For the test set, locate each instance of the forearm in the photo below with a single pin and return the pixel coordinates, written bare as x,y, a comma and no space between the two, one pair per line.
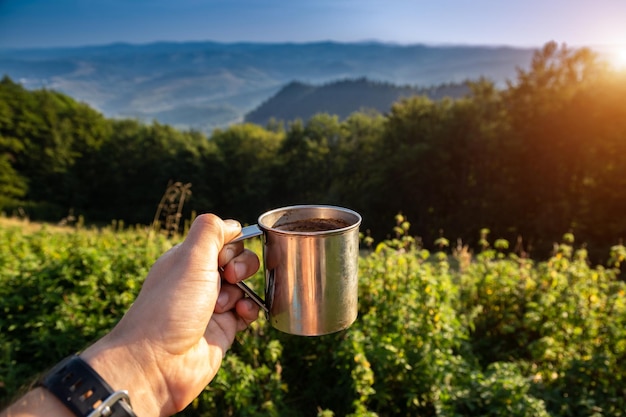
117,366
35,403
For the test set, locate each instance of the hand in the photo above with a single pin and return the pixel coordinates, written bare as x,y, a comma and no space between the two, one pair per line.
170,344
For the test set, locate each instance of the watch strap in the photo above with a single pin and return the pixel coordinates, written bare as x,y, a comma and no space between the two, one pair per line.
79,387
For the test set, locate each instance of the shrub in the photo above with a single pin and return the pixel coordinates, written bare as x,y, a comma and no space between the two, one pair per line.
500,335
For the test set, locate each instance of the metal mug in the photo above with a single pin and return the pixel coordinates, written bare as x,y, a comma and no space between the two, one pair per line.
311,283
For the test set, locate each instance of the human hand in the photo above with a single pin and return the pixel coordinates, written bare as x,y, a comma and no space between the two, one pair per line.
171,342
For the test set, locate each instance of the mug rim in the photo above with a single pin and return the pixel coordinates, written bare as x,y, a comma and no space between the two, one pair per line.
357,219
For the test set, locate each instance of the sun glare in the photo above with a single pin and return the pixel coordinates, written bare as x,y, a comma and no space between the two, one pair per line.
618,57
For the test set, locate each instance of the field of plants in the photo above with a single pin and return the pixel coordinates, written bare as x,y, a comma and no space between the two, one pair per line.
451,332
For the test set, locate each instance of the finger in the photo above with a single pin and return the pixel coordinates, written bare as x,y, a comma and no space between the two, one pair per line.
230,251
229,295
247,311
221,330
194,266
233,229
241,267
223,326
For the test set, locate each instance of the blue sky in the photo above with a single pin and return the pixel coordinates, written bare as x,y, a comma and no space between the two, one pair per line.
44,23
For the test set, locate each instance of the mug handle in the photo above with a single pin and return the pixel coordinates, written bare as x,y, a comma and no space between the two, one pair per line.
247,233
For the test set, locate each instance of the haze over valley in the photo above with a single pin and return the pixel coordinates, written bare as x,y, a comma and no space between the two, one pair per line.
205,85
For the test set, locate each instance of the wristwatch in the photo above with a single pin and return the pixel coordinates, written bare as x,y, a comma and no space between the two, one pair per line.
79,387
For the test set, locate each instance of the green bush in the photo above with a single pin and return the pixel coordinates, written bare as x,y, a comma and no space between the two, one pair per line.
437,335
61,290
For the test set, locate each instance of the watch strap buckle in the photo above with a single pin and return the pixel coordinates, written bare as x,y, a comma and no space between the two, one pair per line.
104,408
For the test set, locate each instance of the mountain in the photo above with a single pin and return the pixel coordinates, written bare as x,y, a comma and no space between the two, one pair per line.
342,98
203,85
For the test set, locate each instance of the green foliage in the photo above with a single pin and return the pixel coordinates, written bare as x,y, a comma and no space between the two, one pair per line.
552,320
492,333
536,158
500,336
62,290
249,154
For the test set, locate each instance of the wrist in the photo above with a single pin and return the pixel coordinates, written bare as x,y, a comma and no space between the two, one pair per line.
38,401
121,366
83,391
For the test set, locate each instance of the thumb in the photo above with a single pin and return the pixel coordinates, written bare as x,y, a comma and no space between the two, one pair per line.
208,235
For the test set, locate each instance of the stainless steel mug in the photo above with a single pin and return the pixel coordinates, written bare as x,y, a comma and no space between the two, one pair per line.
310,260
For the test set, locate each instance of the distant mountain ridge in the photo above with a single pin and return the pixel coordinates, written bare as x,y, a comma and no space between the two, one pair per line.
302,101
203,85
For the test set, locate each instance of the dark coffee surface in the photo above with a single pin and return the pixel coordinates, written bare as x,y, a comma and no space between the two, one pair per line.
313,225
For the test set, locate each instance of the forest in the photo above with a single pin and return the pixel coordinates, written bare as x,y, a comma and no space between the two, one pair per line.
531,161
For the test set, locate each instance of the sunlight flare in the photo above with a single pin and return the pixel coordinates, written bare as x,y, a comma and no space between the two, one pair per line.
618,57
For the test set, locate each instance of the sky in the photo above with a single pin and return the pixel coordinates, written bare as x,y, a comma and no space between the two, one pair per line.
524,23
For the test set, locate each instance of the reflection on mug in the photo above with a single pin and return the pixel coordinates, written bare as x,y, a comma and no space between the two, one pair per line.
310,256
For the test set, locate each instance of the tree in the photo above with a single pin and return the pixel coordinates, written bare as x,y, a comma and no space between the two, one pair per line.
355,161
243,175
547,120
306,161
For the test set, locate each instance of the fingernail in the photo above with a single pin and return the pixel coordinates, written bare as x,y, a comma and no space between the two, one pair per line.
232,224
222,299
229,252
240,270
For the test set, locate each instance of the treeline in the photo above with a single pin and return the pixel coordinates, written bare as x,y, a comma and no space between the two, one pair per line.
536,159
342,98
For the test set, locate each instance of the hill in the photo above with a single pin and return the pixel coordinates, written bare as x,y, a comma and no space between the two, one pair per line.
202,85
302,101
